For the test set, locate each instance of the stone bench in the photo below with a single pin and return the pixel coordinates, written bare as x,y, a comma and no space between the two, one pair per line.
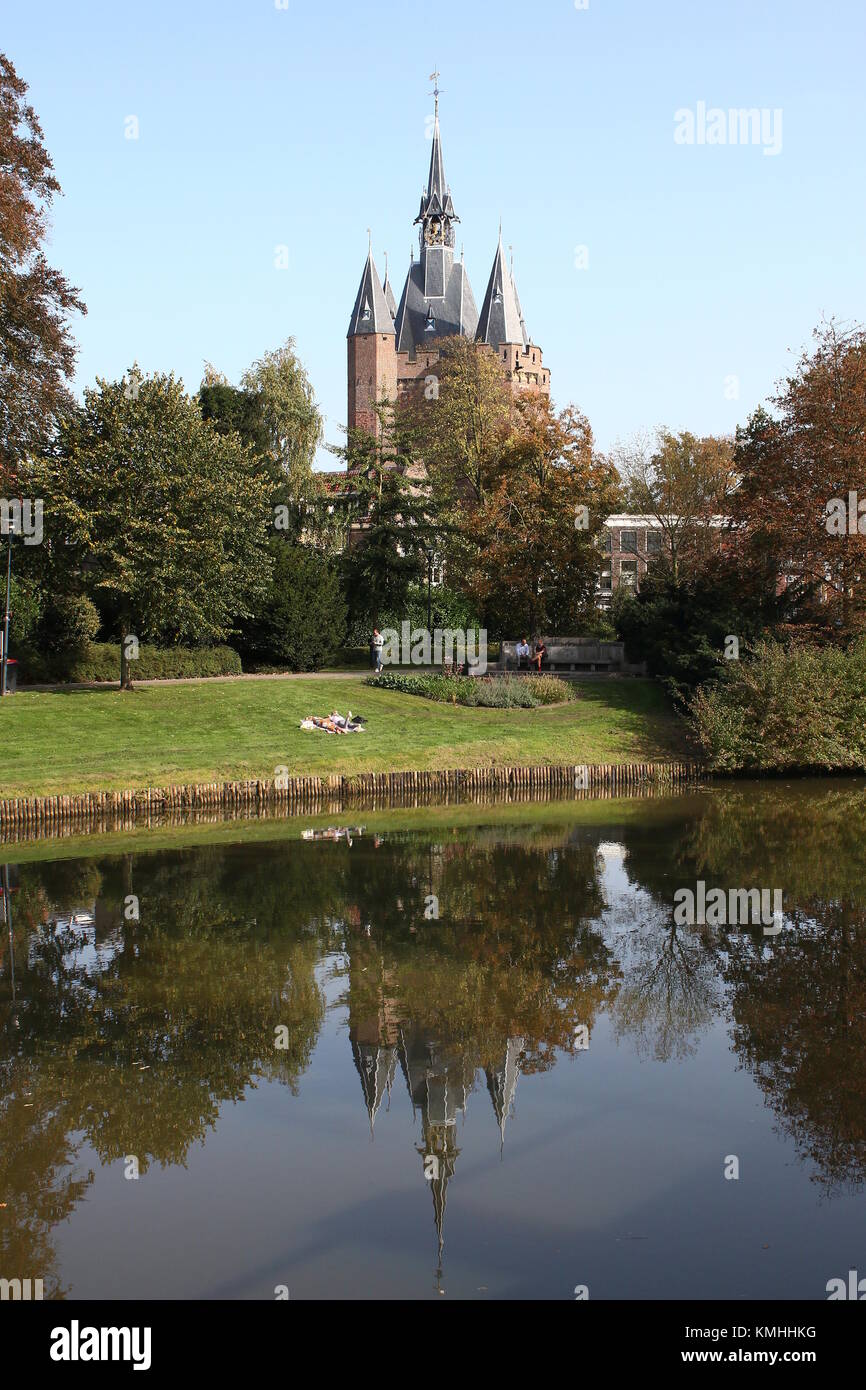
572,655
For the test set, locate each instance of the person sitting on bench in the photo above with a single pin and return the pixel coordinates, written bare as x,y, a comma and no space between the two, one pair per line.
539,655
522,652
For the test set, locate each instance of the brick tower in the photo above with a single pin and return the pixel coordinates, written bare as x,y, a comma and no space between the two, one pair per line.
372,363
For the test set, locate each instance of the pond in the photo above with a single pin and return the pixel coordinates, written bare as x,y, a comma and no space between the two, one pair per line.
474,1052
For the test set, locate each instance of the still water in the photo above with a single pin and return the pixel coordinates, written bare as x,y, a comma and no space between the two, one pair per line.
461,1052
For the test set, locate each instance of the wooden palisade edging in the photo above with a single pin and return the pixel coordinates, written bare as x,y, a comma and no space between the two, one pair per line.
48,814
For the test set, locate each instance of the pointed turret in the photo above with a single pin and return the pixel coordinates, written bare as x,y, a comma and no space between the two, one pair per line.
501,317
389,293
502,1083
371,313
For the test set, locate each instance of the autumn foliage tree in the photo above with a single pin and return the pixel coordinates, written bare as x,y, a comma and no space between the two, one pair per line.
537,558
37,352
684,482
803,467
520,491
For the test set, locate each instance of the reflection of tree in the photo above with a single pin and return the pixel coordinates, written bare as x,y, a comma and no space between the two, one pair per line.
669,992
798,1001
799,1010
513,950
37,1181
132,1034
129,1035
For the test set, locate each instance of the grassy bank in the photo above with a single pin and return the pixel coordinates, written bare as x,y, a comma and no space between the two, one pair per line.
89,740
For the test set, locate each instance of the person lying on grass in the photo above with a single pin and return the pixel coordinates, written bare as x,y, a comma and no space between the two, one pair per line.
334,723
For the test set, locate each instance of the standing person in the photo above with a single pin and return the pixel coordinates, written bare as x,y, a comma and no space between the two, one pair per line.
376,644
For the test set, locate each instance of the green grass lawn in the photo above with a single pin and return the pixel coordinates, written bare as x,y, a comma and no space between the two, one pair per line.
205,731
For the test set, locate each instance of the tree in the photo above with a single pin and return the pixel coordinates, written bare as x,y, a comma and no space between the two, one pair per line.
803,473
683,482
302,619
461,421
234,411
536,559
157,512
681,628
288,413
389,553
37,353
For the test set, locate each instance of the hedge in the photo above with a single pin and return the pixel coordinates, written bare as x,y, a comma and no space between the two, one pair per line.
100,661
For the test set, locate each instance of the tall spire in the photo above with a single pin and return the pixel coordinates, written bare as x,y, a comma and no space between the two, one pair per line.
436,213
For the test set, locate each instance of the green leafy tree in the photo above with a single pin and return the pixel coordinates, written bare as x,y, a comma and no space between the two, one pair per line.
400,525
286,408
157,512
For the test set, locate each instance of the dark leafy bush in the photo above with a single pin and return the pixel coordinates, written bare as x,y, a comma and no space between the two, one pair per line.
302,622
69,623
679,628
783,709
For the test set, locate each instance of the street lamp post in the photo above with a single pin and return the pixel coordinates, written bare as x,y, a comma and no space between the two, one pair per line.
6,616
430,555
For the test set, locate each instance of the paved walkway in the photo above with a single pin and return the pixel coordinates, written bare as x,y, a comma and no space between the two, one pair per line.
210,680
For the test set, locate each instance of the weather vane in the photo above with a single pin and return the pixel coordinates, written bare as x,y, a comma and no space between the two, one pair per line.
434,78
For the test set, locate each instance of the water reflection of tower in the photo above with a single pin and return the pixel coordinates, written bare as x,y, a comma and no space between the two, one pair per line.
440,1074
439,1078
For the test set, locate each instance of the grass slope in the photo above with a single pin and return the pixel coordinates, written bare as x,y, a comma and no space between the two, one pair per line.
87,740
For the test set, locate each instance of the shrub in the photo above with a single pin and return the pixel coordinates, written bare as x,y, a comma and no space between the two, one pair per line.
490,692
25,605
785,709
69,622
302,622
550,690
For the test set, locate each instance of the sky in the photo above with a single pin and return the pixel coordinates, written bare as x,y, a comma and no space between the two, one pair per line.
668,281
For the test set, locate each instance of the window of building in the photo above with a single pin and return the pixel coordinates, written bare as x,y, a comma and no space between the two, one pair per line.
628,540
606,543
605,582
628,574
653,542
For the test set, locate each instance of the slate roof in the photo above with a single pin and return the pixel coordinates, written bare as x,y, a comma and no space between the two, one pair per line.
421,318
389,297
501,317
371,313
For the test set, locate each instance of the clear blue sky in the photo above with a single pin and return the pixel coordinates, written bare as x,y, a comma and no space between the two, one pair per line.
302,126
